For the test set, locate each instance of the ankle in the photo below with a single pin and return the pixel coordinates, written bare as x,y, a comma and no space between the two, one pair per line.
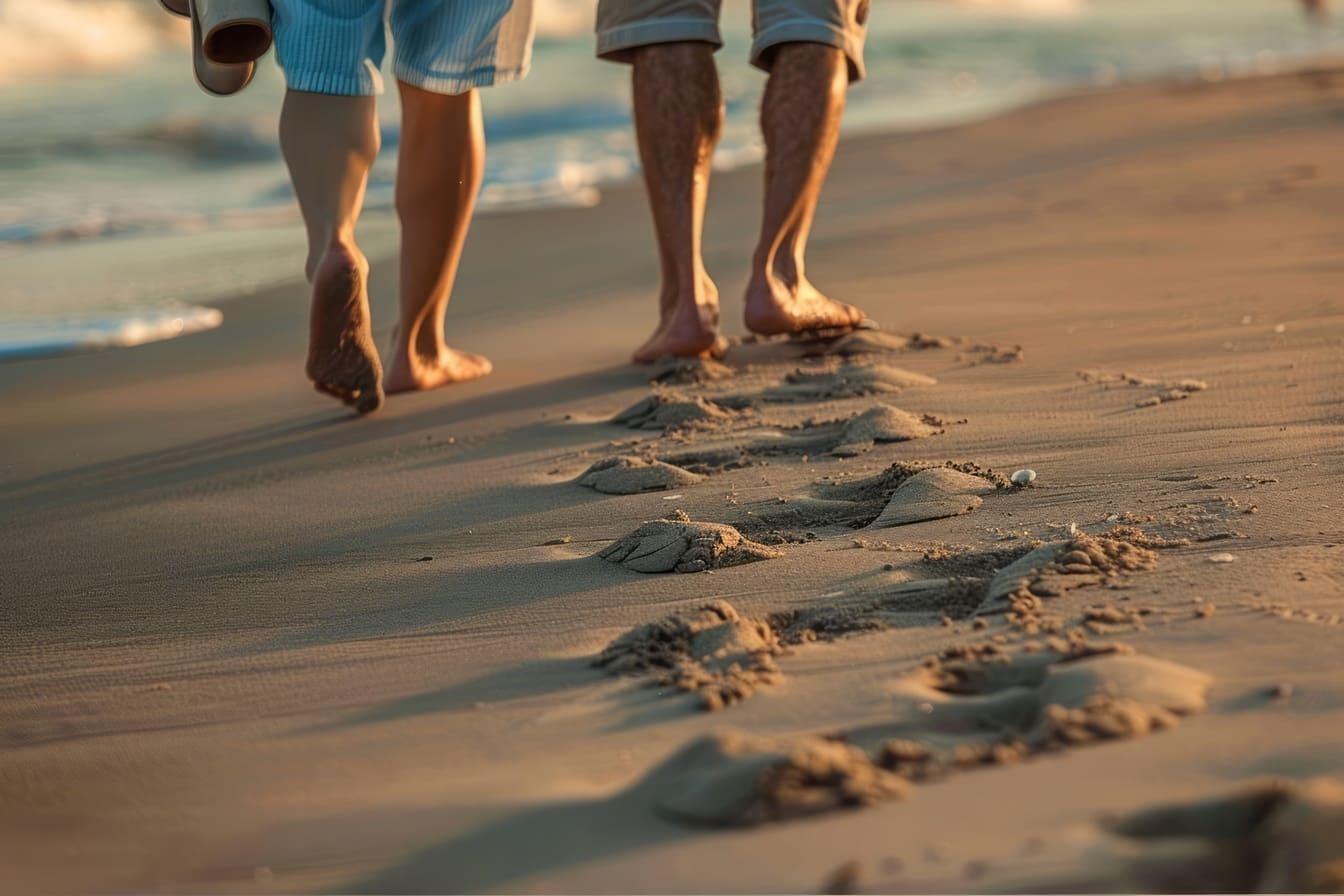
342,253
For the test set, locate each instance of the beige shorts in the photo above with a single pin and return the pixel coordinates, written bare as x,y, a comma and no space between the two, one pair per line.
624,25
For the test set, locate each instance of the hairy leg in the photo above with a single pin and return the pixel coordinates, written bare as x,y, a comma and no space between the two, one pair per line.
439,167
329,144
678,118
800,120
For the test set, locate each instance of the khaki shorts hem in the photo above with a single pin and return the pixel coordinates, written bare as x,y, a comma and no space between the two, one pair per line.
809,32
616,44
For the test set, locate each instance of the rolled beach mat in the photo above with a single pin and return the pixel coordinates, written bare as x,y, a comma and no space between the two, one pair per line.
234,31
216,78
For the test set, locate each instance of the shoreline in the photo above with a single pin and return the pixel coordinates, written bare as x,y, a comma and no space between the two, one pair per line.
379,227
257,646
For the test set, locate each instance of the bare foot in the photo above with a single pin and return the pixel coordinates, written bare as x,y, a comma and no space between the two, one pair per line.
690,331
342,360
413,372
774,308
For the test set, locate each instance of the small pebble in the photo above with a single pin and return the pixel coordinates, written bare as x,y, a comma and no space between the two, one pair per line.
423,559
1024,477
1222,558
1204,611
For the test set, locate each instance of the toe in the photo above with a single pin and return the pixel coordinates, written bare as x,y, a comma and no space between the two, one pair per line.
369,398
334,391
369,401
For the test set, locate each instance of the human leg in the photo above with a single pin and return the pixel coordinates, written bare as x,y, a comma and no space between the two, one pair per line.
440,163
329,144
678,118
445,51
812,49
330,51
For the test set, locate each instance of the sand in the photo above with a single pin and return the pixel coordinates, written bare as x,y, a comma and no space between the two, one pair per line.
252,645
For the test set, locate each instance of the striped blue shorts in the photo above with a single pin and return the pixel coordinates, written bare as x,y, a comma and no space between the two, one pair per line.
445,46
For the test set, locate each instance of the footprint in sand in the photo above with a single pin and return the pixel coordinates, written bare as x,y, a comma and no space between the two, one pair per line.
688,371
1269,837
724,657
669,411
848,380
848,437
904,493
1052,569
933,494
882,423
878,342
630,475
1020,589
875,342
1161,391
947,718
677,544
712,652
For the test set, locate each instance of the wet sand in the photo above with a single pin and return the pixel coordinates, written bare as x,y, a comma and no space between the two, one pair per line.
785,624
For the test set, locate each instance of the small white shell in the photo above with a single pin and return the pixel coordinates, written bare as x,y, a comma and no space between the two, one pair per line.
1222,558
1024,477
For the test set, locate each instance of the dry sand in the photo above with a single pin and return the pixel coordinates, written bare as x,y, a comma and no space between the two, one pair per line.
250,645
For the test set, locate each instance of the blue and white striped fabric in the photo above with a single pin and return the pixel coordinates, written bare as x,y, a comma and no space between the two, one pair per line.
445,46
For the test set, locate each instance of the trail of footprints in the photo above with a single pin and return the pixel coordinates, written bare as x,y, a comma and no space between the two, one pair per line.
985,703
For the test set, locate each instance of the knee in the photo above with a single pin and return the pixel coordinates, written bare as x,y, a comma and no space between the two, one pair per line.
811,62
681,73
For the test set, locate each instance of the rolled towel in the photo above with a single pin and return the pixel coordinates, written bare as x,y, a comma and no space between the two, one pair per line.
234,31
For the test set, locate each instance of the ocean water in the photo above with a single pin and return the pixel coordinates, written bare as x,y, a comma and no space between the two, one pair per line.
132,205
